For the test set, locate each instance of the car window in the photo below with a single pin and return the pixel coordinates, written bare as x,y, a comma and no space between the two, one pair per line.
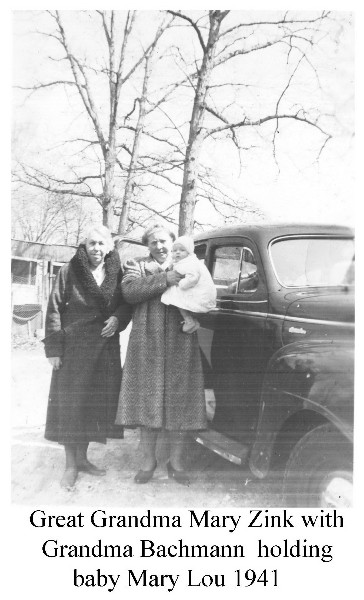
234,270
249,273
226,269
313,261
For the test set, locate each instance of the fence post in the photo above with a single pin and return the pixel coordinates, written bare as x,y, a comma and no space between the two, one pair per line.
45,286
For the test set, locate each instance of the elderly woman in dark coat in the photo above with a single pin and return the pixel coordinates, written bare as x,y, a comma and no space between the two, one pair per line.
85,313
162,384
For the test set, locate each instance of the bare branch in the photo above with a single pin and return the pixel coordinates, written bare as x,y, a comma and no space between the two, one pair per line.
60,191
40,86
283,21
177,129
82,86
127,116
172,88
249,123
278,103
242,51
104,24
191,22
159,33
124,147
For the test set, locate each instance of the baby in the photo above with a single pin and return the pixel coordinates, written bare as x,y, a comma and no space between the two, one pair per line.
196,292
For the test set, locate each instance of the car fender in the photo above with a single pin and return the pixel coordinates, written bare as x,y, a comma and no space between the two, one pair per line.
306,383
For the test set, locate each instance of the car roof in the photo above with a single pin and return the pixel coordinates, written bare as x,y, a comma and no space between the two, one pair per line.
267,231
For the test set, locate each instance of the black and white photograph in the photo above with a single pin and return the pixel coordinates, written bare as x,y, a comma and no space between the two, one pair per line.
182,258
182,301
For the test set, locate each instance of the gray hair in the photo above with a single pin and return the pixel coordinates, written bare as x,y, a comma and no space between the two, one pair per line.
102,231
156,226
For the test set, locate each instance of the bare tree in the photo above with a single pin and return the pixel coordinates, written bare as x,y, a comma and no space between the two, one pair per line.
146,155
145,134
118,72
220,46
135,152
42,217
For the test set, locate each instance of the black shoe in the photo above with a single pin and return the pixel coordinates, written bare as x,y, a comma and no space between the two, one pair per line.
87,467
145,476
179,476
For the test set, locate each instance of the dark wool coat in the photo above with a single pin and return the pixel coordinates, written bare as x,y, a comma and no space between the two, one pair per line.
162,379
84,391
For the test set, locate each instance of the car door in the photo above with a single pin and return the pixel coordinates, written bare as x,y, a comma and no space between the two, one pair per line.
232,336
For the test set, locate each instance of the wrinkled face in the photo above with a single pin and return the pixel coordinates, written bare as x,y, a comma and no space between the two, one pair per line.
178,252
96,249
160,245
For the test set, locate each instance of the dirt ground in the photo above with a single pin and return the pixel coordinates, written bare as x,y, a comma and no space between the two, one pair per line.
37,464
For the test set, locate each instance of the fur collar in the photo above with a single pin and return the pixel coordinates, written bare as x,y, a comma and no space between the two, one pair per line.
105,292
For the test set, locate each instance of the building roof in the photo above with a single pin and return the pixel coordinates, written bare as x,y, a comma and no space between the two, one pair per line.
35,250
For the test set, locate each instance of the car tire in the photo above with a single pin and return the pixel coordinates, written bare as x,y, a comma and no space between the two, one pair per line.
319,470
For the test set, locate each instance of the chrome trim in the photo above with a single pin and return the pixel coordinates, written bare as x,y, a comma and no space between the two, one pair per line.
251,301
247,312
287,318
223,453
315,321
297,236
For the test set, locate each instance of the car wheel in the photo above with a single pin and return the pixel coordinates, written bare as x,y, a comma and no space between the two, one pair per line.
319,470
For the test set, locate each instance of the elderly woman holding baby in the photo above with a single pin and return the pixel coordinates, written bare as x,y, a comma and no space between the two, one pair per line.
162,386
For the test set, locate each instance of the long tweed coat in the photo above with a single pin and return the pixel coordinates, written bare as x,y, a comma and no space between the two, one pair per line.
84,391
162,383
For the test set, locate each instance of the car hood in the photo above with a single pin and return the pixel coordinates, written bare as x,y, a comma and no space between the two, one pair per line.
334,305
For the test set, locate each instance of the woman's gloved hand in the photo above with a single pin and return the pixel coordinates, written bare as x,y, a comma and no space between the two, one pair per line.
55,361
111,326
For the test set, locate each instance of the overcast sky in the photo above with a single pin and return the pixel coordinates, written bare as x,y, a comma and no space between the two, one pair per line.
298,188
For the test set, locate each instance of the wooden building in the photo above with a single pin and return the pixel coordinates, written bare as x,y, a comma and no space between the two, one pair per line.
33,269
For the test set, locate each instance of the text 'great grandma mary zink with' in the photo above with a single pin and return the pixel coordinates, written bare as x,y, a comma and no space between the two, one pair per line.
257,518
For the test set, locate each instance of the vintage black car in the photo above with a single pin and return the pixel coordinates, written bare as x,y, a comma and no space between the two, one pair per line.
278,354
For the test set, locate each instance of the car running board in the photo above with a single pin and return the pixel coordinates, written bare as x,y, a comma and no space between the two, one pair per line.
223,446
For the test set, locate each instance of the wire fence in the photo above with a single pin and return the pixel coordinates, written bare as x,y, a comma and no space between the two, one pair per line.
23,280
23,313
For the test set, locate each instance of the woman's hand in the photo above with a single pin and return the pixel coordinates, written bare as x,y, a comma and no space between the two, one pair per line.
111,325
56,362
173,278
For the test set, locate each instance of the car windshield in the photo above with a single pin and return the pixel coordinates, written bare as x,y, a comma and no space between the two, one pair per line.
313,261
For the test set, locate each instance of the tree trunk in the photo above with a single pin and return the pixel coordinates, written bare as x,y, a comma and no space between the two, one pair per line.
196,135
129,186
108,202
